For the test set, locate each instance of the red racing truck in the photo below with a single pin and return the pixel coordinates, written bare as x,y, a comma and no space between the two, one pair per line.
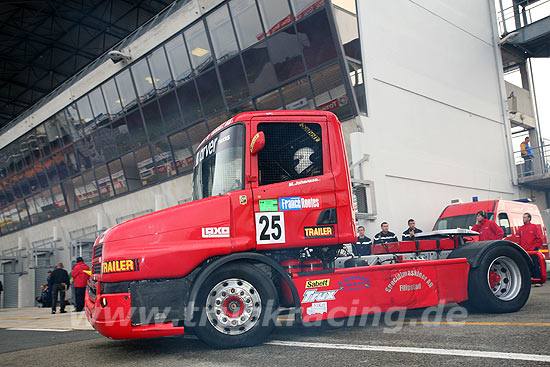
272,210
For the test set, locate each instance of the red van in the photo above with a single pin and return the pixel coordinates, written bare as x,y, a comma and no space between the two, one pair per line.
507,214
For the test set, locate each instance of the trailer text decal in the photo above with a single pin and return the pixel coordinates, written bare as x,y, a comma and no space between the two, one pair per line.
120,266
319,232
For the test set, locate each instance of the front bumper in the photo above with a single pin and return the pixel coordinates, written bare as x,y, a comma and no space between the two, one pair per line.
111,315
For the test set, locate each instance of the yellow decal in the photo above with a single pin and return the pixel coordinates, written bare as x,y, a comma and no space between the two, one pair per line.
319,231
253,141
119,266
317,283
310,132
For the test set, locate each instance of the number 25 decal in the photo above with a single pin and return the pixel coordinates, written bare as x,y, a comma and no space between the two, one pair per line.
270,227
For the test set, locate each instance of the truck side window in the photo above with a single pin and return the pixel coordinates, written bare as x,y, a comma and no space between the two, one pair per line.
504,223
292,151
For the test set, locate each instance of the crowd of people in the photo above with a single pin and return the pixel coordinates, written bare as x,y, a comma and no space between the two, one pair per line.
59,282
363,246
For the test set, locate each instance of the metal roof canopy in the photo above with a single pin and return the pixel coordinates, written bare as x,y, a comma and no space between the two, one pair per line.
43,43
532,40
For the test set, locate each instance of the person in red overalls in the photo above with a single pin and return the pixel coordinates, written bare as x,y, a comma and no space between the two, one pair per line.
530,238
80,282
488,230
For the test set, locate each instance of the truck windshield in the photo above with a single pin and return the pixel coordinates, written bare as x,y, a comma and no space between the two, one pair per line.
459,221
219,164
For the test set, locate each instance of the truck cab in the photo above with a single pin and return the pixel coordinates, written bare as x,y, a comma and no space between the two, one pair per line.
291,180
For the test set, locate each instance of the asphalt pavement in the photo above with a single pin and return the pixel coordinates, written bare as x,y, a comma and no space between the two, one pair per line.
429,337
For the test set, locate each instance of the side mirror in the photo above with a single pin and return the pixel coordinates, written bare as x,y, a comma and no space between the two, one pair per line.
257,143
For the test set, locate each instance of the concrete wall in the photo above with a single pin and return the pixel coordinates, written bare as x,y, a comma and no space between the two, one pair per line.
435,129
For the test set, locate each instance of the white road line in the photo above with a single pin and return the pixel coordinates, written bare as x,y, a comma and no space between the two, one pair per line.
25,329
443,352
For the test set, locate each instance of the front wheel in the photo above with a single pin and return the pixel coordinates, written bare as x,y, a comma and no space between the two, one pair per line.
501,283
237,306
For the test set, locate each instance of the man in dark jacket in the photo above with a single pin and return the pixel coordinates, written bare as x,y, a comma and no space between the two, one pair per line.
363,244
60,283
409,233
385,236
80,280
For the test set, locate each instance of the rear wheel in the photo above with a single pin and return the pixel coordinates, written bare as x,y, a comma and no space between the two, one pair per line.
501,283
236,307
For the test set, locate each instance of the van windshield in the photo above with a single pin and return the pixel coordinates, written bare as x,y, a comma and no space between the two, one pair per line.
219,164
460,221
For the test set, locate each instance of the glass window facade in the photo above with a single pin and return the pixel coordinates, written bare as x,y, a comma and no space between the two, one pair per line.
141,126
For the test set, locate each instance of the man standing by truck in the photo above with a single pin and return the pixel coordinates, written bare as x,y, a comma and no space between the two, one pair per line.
80,280
530,238
60,282
488,230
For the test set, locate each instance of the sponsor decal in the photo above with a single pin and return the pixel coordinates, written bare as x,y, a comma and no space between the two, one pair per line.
319,232
410,287
215,232
207,150
224,139
243,199
406,274
354,283
317,308
302,182
120,266
298,203
334,104
317,283
293,203
310,132
311,295
268,205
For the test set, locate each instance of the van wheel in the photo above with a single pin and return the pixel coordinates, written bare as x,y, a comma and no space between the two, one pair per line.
237,305
501,283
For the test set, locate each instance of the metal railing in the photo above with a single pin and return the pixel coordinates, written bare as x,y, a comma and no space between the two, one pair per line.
523,13
538,165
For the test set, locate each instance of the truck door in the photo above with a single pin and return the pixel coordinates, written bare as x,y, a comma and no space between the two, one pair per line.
293,184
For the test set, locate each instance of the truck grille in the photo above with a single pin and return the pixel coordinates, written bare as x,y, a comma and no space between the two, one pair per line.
98,251
92,289
96,268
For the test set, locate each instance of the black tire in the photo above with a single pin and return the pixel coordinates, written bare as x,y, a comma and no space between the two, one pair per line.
501,283
244,289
